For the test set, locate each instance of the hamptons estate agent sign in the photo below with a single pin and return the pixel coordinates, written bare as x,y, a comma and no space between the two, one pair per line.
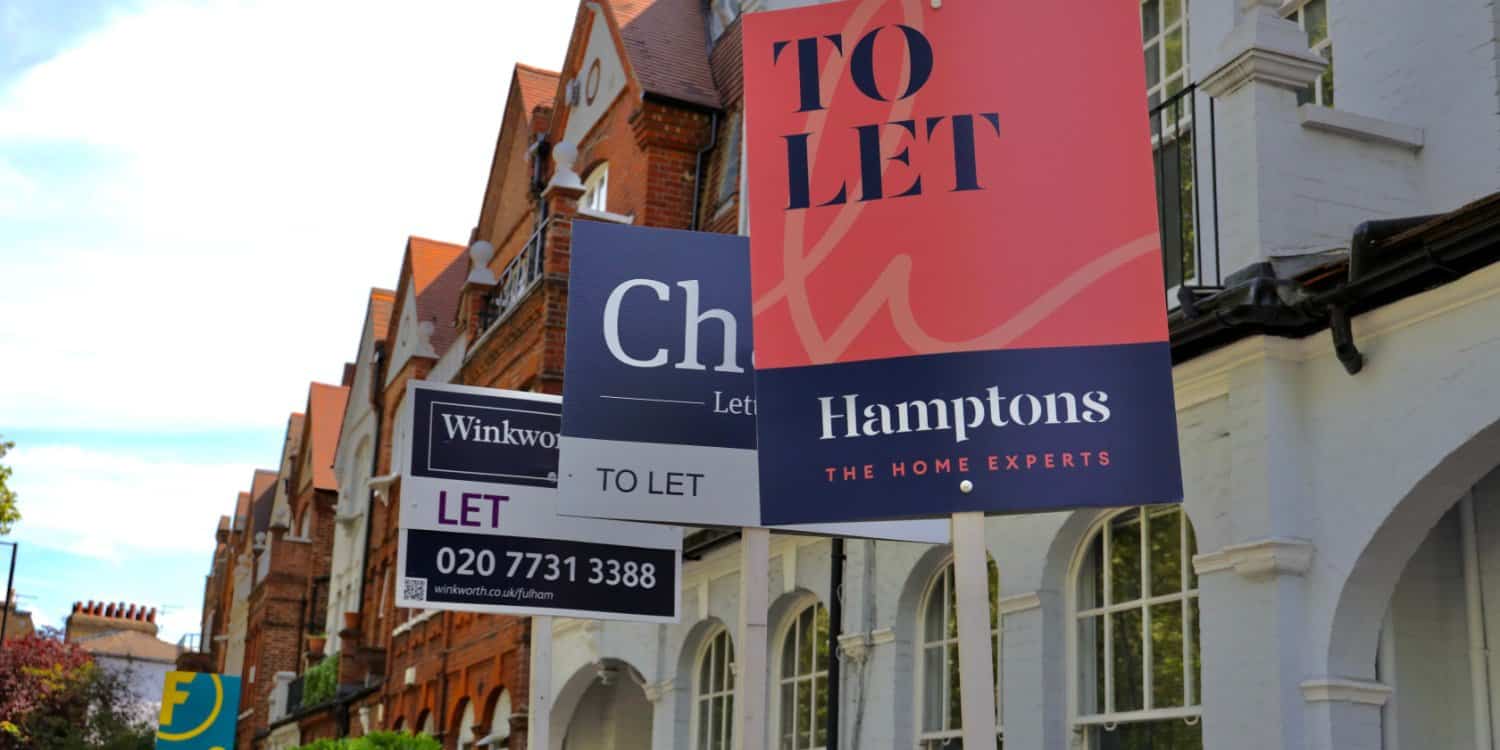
955,262
479,523
659,401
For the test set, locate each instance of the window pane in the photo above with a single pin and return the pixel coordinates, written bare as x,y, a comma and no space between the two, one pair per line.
1195,654
705,673
1192,549
820,712
804,715
703,725
1315,20
955,693
933,688
789,653
1166,656
1165,541
1153,64
1091,575
788,714
1129,657
1090,665
1125,558
933,624
1326,81
805,642
820,639
1174,11
1174,52
1150,23
727,730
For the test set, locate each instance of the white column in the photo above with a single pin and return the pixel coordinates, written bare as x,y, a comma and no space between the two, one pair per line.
976,668
750,663
539,711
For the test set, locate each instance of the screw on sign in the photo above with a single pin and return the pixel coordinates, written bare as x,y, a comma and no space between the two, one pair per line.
198,711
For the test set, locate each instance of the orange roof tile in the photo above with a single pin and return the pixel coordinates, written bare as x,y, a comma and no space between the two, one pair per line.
438,270
538,87
667,42
264,478
382,302
325,410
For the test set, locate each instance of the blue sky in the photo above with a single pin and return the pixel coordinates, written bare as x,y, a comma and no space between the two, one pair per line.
195,197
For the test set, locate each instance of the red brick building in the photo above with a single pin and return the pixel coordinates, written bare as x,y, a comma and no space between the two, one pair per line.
641,126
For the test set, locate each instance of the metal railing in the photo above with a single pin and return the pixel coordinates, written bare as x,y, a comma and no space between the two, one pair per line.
520,275
1187,204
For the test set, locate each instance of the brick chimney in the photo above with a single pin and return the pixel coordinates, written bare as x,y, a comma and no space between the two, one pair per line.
98,618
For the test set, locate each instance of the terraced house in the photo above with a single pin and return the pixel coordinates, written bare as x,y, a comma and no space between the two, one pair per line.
1330,237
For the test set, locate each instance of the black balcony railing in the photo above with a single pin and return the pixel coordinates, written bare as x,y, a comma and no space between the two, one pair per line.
1187,200
520,275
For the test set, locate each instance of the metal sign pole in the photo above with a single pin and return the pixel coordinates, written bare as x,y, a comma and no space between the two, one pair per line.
10,582
539,707
976,667
751,667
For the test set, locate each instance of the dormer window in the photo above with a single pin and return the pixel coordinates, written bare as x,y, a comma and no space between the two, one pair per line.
721,13
595,190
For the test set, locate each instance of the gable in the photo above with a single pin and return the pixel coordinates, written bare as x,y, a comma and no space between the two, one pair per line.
598,80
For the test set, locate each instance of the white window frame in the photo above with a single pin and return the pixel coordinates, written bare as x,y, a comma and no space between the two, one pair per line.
792,629
595,198
1296,10
943,584
704,696
1108,719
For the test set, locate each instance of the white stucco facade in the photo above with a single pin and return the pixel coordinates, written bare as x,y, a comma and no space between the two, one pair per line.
354,464
1341,585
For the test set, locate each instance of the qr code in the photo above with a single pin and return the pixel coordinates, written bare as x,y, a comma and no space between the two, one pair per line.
414,589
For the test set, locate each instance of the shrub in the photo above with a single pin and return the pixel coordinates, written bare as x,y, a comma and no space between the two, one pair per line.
321,682
377,741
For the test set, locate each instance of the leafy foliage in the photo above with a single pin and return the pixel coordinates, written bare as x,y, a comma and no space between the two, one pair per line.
321,682
53,695
9,511
377,741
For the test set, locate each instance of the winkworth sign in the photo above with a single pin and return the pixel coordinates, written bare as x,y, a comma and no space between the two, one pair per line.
956,266
479,524
659,403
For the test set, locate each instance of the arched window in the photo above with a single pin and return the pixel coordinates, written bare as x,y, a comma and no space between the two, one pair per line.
802,681
424,723
713,694
465,728
940,726
1135,646
596,190
499,731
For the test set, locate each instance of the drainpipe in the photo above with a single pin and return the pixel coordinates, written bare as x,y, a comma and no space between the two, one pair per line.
1478,647
713,141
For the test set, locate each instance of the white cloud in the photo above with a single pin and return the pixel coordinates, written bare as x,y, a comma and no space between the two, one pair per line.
237,175
107,505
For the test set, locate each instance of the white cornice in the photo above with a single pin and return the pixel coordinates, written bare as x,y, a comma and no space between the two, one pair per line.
1343,690
1262,558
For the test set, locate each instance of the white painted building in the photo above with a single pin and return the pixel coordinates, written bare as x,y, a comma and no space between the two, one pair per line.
354,463
1335,579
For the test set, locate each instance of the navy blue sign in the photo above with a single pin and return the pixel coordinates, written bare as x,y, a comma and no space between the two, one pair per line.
663,330
484,438
545,574
1030,430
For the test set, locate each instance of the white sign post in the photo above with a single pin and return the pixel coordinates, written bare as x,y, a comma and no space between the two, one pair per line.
539,707
751,673
976,667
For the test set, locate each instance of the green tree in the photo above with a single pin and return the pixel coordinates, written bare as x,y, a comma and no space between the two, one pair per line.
9,512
